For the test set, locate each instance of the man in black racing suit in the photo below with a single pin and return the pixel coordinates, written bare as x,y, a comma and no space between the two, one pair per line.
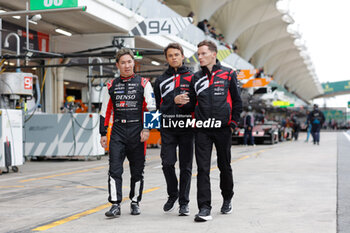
219,106
127,98
172,90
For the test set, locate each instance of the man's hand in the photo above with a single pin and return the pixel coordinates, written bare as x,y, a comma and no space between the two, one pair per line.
103,141
182,99
144,135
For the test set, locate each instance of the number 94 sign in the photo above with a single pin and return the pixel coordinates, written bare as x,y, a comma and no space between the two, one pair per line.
161,26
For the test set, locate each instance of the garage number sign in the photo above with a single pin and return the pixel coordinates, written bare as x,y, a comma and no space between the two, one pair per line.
161,26
52,4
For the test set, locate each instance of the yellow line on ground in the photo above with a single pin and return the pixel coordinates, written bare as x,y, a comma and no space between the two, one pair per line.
62,174
241,158
82,214
12,186
150,190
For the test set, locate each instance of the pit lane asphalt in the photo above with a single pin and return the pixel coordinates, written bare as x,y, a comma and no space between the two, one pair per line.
287,187
343,200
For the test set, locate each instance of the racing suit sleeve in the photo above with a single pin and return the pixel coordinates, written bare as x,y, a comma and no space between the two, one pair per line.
236,99
106,111
148,95
157,94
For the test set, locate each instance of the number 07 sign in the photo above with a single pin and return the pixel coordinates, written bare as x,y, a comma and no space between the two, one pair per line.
161,26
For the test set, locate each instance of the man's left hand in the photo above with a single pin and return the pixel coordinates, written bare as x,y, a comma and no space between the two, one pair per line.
144,135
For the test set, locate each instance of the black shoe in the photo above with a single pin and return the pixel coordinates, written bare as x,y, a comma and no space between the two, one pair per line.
169,205
226,207
184,210
114,212
135,208
203,215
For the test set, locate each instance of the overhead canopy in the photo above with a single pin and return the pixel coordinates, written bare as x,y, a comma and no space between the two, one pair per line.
262,37
76,22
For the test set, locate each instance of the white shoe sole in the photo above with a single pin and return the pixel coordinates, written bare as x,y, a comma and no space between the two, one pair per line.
184,214
169,210
227,212
202,218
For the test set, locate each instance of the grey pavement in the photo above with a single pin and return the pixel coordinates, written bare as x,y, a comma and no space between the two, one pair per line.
287,187
343,204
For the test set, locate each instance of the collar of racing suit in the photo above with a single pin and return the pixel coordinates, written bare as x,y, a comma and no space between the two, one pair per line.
215,67
183,69
127,78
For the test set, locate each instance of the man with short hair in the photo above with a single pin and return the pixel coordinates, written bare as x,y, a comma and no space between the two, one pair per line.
172,90
218,98
126,99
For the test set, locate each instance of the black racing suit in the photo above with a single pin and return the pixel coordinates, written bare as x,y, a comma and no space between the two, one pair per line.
126,100
218,97
167,86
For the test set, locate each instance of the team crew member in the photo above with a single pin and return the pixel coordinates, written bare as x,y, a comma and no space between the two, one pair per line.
218,97
248,127
316,119
172,97
127,97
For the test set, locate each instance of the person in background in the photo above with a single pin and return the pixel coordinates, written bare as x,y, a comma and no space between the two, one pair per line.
296,126
203,25
308,129
248,127
316,119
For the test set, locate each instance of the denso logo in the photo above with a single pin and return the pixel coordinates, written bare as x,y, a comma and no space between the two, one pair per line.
125,97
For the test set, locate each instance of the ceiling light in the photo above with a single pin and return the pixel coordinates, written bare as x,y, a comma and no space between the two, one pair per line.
34,68
16,16
12,64
63,32
155,63
66,83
